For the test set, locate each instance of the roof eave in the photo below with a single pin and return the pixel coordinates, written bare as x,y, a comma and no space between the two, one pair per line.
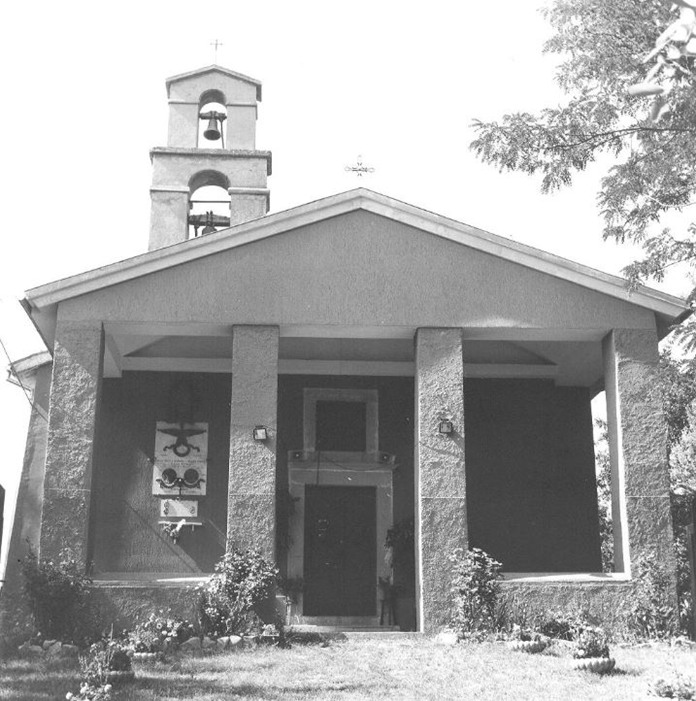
40,301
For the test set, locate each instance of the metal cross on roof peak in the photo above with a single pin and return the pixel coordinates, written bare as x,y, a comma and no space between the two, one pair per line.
359,168
215,44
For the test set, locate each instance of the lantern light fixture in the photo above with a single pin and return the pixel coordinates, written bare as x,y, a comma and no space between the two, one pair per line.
260,433
445,427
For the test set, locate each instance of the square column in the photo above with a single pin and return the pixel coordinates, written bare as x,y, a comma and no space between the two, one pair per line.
72,421
638,449
251,507
440,479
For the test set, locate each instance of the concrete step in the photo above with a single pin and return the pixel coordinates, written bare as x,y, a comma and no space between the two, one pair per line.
391,635
312,628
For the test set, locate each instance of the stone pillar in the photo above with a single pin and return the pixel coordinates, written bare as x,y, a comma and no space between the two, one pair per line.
439,471
638,448
251,509
72,420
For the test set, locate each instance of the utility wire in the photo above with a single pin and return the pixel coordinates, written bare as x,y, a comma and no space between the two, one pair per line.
26,392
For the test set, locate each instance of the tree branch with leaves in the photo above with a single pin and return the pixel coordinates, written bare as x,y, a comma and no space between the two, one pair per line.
628,68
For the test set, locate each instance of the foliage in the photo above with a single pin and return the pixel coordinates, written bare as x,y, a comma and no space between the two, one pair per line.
241,581
652,613
399,548
401,536
676,380
92,692
566,624
591,642
476,592
682,463
674,686
158,632
603,476
603,46
681,518
58,597
103,657
525,634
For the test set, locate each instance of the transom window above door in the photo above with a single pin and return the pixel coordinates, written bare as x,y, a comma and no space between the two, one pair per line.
340,420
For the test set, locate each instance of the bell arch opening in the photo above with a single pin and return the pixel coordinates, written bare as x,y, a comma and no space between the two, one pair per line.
209,203
212,112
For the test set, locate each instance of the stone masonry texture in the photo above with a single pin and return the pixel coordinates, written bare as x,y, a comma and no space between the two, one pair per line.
72,422
440,473
639,451
252,477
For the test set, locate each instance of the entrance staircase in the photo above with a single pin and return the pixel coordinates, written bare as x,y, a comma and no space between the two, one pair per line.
353,627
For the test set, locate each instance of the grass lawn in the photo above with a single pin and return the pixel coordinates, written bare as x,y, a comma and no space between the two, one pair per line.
367,669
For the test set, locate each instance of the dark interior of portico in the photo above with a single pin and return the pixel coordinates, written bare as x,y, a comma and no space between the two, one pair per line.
531,494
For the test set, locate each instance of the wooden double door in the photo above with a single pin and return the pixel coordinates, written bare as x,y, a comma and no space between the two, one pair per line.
340,551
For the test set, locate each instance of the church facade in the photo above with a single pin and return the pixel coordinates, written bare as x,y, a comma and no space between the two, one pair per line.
314,382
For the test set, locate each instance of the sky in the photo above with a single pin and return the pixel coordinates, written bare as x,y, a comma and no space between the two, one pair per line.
397,83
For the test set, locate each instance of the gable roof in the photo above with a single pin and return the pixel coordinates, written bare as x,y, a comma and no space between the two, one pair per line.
45,297
217,69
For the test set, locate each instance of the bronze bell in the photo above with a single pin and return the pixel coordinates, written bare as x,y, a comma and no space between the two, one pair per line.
212,131
209,228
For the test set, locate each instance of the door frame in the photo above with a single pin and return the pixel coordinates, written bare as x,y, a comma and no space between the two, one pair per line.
367,471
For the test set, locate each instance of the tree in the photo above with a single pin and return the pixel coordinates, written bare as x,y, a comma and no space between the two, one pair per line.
631,87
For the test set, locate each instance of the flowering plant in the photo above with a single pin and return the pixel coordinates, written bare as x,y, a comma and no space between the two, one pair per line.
173,530
91,692
159,632
591,642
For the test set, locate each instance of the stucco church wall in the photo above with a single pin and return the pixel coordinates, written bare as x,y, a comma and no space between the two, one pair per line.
531,494
357,269
127,536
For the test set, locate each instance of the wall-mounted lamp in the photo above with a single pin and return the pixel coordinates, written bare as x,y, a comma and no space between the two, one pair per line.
445,427
260,433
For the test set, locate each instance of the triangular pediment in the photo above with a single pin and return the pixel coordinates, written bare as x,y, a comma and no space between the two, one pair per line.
360,251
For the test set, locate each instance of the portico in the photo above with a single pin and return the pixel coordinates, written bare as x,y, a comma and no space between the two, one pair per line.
401,365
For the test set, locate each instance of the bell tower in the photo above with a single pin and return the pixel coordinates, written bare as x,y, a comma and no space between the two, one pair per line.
211,146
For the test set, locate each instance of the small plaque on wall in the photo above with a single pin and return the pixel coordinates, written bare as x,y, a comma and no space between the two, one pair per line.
179,478
181,459
181,441
179,508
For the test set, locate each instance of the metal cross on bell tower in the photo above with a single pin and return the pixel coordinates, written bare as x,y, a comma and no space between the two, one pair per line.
215,45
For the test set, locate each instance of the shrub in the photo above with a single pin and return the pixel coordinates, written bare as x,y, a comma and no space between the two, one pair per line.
241,581
652,613
159,632
58,596
565,625
476,593
591,642
524,634
675,686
